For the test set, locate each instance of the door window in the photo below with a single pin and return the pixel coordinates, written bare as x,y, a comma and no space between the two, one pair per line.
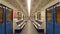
9,15
1,13
58,14
49,15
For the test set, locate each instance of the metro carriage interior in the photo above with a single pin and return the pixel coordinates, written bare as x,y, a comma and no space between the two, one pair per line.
45,21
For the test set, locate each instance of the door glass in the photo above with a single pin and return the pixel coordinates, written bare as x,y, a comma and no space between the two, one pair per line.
1,13
49,15
9,15
58,14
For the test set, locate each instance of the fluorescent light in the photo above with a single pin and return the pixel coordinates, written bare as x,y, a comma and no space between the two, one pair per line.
29,4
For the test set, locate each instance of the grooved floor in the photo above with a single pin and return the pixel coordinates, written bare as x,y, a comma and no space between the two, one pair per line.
29,29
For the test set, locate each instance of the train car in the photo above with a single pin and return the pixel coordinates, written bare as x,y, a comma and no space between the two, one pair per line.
29,16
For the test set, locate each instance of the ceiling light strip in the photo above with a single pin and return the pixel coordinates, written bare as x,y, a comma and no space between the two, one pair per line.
29,6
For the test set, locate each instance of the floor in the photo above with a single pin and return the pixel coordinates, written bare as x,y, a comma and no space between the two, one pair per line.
29,29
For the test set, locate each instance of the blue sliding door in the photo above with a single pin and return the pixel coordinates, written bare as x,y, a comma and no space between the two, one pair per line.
57,17
2,19
9,21
49,20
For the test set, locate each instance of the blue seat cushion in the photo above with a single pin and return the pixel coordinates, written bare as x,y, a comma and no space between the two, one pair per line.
18,30
40,30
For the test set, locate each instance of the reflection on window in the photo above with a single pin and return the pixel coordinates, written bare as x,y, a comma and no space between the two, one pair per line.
58,14
49,15
1,12
9,15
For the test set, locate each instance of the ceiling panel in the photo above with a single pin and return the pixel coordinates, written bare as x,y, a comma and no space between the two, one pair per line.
24,4
17,5
41,4
14,3
36,5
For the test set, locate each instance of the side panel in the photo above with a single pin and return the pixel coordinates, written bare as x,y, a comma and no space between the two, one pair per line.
57,23
49,21
9,21
2,20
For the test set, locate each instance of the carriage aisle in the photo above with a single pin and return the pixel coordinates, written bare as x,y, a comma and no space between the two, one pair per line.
29,29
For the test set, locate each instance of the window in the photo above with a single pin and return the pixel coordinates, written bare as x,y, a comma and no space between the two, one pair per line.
1,13
39,16
9,15
18,16
49,15
34,16
58,14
